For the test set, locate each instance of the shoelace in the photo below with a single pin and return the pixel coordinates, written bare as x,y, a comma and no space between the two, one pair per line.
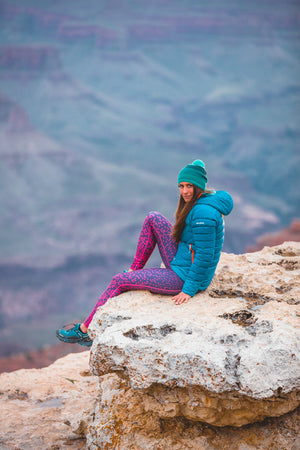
71,325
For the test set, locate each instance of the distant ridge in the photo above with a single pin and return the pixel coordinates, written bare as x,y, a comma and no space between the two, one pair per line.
291,233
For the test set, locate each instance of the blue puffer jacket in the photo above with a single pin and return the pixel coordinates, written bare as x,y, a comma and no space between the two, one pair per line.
202,240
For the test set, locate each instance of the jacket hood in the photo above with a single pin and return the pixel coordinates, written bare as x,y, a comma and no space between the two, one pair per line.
220,200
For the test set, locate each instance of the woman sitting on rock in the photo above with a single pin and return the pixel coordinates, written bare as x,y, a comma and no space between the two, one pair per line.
190,250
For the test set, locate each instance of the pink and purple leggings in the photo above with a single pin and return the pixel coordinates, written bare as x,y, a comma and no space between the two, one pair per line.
156,230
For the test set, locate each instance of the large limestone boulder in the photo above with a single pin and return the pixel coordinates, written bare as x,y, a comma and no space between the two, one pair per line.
57,407
228,357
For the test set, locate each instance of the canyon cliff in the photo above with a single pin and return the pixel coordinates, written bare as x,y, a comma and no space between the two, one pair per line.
290,233
219,372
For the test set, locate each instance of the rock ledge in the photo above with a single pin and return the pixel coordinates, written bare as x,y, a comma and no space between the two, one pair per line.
230,359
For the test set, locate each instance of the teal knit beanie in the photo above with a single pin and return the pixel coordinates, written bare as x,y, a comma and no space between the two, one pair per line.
194,173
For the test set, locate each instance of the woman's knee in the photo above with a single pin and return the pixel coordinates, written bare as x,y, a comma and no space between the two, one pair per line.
154,216
116,279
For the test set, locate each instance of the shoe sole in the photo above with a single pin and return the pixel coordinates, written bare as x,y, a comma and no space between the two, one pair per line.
85,344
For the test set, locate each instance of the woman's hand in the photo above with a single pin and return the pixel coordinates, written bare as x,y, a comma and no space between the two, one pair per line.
181,298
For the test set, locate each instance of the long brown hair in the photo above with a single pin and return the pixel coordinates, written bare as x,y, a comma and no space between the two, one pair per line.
182,211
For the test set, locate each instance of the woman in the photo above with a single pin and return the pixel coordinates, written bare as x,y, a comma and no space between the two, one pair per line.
190,250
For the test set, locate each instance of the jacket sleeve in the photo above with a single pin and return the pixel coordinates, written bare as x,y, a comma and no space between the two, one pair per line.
204,237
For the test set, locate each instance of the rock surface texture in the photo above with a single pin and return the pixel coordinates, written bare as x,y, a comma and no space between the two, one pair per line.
42,408
229,357
220,372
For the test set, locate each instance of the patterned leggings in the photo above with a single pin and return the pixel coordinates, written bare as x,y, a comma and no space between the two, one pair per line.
156,230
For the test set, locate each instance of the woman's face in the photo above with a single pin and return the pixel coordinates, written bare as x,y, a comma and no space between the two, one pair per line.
186,191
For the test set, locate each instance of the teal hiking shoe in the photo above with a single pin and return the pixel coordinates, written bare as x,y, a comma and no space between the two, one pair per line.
74,336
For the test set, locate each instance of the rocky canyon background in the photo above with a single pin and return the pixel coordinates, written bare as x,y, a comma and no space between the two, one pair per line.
101,103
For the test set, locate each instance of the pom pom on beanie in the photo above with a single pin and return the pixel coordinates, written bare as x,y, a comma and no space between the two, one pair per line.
198,162
194,173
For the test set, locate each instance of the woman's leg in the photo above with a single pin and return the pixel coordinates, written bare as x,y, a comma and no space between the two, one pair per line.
156,230
159,281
